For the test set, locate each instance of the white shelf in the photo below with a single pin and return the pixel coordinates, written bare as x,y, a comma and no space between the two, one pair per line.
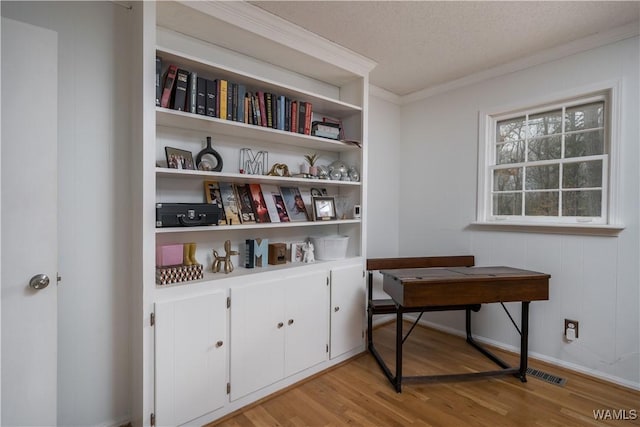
216,228
196,122
242,178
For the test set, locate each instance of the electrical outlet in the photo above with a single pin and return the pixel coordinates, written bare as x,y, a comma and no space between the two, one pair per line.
570,329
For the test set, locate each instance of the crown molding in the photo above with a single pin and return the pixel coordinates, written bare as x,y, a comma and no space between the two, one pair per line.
384,94
591,42
274,28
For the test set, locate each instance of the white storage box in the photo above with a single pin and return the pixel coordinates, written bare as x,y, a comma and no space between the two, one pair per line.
327,248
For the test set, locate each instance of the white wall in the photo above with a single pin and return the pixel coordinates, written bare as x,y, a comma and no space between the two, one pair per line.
595,280
94,253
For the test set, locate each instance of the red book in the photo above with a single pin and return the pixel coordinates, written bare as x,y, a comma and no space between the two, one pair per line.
169,81
294,116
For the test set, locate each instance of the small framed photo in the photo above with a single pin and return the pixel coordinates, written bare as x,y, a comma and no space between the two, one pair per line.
179,159
324,208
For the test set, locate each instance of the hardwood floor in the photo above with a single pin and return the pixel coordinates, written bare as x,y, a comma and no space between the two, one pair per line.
358,394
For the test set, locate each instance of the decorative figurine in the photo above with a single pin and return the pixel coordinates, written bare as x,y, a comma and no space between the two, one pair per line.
279,169
308,256
209,159
226,259
253,164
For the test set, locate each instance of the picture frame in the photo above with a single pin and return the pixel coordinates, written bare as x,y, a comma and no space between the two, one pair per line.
324,208
296,209
179,159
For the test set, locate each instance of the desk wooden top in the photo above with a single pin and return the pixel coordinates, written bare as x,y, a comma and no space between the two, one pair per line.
417,287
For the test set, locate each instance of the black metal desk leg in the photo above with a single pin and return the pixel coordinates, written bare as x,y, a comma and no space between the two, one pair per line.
524,341
399,350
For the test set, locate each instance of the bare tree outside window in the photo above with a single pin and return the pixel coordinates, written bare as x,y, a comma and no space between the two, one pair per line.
551,163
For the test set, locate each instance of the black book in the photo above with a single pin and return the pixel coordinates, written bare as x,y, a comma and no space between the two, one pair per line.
274,110
180,96
234,102
201,96
193,92
287,114
210,102
230,100
249,254
158,80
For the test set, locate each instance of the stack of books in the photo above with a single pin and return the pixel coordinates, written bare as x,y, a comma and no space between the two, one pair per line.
326,130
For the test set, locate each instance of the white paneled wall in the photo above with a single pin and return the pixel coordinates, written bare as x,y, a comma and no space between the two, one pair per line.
595,279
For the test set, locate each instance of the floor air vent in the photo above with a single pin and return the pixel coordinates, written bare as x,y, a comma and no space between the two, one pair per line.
552,379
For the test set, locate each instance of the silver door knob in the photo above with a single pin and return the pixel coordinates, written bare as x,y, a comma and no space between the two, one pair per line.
39,281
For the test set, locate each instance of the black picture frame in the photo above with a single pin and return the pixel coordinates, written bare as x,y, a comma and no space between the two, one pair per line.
324,208
179,159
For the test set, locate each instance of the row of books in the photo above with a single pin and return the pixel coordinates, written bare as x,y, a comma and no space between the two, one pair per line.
182,90
258,203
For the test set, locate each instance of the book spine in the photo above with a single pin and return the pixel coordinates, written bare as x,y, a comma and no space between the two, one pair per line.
222,111
201,96
287,114
246,103
242,92
181,86
193,92
274,111
263,112
256,110
169,82
269,108
158,80
211,97
302,114
232,101
294,116
307,119
281,110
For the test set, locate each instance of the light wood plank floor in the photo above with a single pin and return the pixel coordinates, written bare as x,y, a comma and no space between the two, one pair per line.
358,394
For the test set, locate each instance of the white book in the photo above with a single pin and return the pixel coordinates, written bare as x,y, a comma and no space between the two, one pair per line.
268,192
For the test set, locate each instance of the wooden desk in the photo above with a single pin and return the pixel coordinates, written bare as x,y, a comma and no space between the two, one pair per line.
430,288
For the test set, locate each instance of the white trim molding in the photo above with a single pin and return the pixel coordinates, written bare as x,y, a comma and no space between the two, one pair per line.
272,27
591,42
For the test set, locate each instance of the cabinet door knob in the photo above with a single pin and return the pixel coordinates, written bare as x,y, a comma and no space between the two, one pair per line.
336,309
290,321
219,344
280,325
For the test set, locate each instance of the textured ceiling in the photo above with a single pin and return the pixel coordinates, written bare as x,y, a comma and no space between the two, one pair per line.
422,44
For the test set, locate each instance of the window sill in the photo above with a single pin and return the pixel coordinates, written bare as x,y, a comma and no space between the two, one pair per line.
582,229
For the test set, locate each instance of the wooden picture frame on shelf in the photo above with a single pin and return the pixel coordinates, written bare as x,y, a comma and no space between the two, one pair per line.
179,159
324,208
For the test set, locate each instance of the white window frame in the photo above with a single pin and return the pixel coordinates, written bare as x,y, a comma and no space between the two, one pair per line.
609,222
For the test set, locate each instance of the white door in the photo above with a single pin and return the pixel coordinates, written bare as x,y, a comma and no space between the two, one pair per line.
29,223
306,321
347,309
257,336
191,363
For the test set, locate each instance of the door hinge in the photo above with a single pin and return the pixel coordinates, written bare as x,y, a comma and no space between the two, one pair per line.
228,388
327,348
152,419
327,280
228,302
58,278
152,320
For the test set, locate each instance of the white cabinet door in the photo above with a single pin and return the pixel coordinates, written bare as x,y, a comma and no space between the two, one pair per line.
306,337
191,357
257,336
347,309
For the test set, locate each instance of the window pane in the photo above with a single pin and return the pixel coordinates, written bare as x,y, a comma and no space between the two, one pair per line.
542,177
507,179
582,203
544,148
547,123
582,174
589,143
507,204
541,203
586,116
510,130
510,152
